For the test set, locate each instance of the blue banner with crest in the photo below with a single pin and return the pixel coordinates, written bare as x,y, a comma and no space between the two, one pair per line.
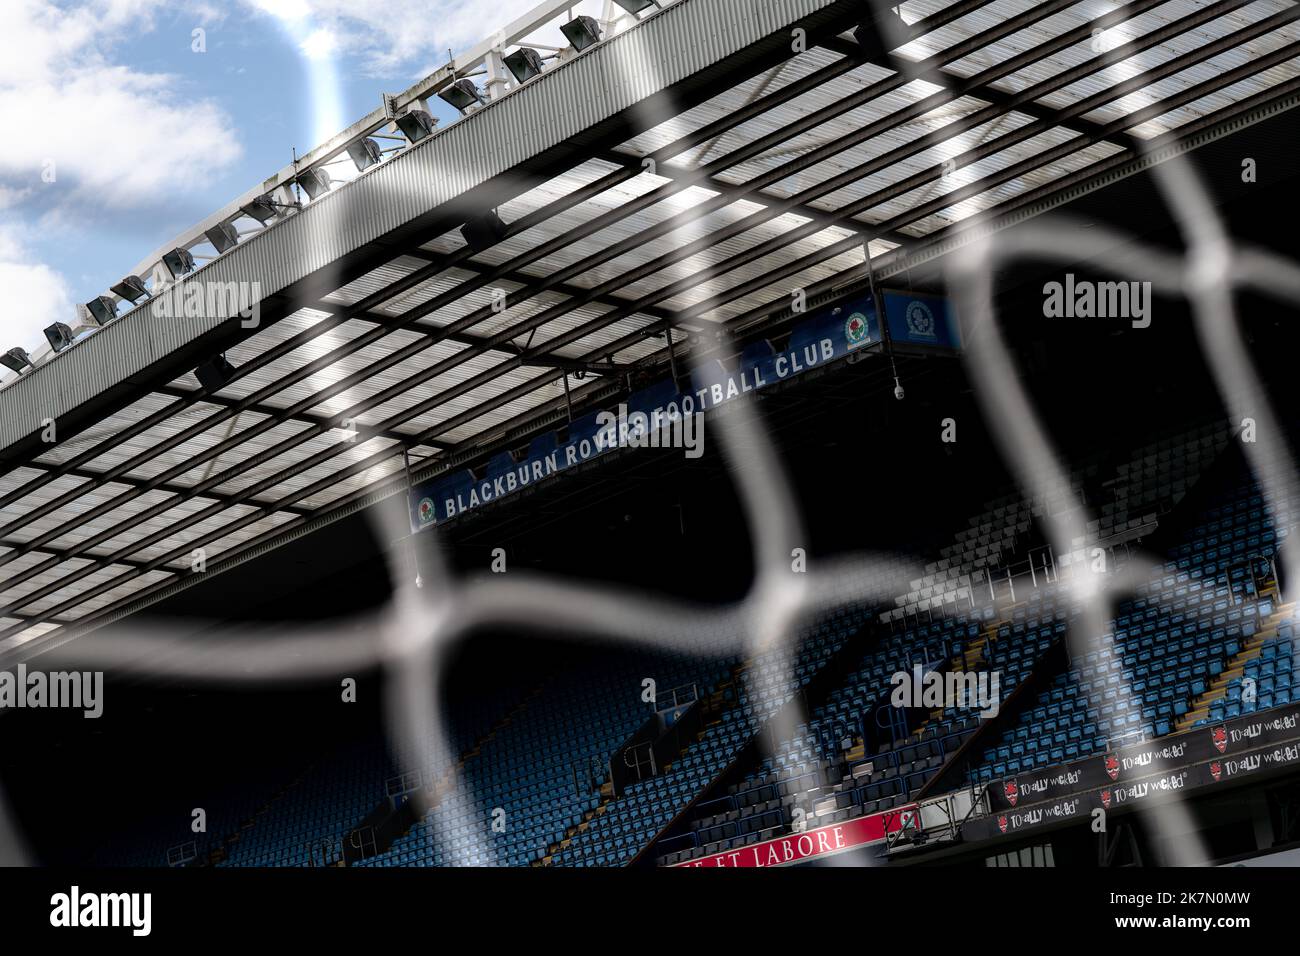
827,336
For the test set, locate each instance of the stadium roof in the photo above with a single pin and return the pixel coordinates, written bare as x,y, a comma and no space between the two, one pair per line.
686,172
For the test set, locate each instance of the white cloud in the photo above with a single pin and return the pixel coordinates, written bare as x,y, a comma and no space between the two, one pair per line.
85,135
319,44
286,10
35,296
115,136
395,36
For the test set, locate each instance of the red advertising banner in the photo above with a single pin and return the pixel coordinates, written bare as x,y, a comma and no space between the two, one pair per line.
823,841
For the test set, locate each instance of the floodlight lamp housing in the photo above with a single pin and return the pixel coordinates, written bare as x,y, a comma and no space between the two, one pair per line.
365,153
214,373
524,64
316,182
636,6
223,237
484,231
581,32
881,32
263,208
179,262
58,335
416,124
102,309
16,359
131,288
461,95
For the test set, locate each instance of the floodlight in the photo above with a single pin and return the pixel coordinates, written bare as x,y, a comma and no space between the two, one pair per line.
365,153
636,6
222,236
877,35
415,124
16,359
102,309
58,335
462,95
868,36
179,262
315,181
131,288
525,63
582,32
486,230
263,208
214,373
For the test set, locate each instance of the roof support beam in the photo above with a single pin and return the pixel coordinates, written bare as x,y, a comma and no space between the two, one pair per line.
739,192
100,477
980,91
224,401
482,343
524,279
63,555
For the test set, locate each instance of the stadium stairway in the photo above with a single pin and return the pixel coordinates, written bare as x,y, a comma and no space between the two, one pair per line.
388,823
715,705
1050,658
553,850
442,783
218,853
971,659
302,827
802,767
538,775
735,759
316,821
1227,687
974,659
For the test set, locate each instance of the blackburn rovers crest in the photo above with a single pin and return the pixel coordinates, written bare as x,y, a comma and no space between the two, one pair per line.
426,511
855,330
920,320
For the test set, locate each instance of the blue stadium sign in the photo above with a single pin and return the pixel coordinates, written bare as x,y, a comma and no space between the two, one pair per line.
828,336
922,320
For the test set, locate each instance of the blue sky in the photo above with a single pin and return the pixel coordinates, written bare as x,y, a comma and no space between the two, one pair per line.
141,135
